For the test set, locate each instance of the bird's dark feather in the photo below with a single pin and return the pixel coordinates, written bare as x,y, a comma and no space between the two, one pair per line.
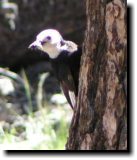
66,68
65,89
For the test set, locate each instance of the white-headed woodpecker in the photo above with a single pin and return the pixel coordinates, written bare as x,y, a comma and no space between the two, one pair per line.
65,59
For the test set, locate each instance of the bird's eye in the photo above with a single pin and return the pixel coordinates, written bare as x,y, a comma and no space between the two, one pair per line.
48,38
62,43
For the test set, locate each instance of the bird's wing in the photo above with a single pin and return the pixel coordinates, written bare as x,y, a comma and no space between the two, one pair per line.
69,88
70,95
70,85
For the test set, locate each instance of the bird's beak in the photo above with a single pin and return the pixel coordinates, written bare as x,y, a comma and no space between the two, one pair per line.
35,45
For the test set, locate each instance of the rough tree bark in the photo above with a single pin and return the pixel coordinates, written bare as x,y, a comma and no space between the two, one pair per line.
100,120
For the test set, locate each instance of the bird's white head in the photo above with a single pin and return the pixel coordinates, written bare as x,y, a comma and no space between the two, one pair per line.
49,41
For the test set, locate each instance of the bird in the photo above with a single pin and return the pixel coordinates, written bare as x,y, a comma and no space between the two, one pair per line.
65,57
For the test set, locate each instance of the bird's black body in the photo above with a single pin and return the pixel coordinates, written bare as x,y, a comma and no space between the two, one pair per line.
66,68
65,59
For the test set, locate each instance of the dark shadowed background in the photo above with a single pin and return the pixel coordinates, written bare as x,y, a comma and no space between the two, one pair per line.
20,22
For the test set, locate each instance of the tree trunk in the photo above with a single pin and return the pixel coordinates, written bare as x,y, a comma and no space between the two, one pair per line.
100,119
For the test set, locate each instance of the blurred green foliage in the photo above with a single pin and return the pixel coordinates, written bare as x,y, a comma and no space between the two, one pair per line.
43,129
